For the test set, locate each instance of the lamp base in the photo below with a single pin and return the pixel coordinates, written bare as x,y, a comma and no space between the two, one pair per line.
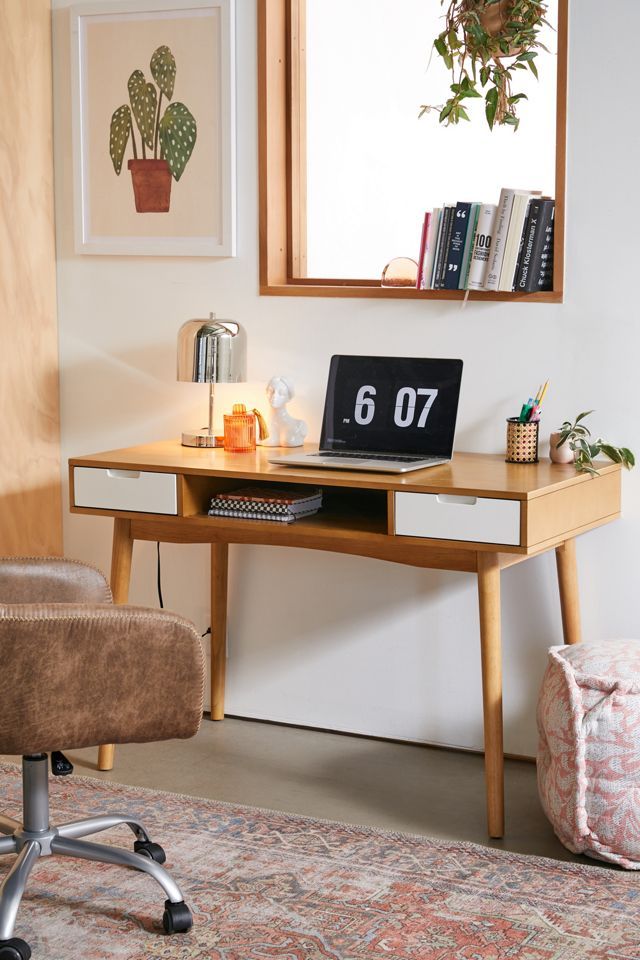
201,438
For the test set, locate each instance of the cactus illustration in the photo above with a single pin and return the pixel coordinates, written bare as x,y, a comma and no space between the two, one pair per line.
166,139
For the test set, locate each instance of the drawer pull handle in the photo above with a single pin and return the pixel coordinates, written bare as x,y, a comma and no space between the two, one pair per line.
124,474
462,501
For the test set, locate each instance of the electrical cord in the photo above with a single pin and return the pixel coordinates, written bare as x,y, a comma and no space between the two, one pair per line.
160,600
159,583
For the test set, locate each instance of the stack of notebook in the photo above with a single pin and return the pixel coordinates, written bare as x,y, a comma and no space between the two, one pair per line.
285,504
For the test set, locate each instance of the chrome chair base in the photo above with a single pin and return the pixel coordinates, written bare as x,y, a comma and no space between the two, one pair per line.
36,838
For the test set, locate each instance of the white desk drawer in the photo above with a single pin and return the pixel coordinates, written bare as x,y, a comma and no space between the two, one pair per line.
125,490
444,517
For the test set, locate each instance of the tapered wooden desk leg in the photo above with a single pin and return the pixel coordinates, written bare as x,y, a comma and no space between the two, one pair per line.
120,577
121,560
490,644
106,756
569,595
219,579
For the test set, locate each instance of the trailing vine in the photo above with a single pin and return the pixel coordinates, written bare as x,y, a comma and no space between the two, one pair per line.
484,43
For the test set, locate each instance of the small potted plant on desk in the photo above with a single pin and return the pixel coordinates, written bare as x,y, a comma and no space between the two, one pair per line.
573,443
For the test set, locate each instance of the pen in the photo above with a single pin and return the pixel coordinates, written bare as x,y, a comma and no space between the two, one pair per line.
530,411
529,408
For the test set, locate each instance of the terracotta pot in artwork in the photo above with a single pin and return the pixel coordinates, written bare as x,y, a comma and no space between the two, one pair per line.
151,185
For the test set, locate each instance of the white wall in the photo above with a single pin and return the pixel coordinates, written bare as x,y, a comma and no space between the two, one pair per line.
359,644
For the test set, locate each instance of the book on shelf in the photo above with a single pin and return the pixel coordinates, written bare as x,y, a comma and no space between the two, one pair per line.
486,246
443,245
433,245
457,240
423,248
517,220
496,253
259,514
439,252
528,238
540,275
468,246
535,271
521,245
250,506
292,495
481,247
261,503
544,279
430,252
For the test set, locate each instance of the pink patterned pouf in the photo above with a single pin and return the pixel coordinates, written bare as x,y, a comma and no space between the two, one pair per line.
589,749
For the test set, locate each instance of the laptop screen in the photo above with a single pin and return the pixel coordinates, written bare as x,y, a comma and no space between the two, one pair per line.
397,405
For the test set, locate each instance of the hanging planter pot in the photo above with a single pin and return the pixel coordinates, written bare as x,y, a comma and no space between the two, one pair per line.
151,185
483,45
495,17
494,20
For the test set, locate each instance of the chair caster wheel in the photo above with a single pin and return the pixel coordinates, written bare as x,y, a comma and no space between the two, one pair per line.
61,766
153,851
14,949
175,919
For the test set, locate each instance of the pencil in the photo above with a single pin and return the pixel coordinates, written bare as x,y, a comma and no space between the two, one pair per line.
544,390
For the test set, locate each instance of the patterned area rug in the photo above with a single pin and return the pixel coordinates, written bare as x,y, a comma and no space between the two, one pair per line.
270,886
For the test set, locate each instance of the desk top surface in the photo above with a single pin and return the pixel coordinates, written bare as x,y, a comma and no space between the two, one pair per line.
471,474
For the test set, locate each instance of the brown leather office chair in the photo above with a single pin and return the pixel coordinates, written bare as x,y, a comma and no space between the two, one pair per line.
76,671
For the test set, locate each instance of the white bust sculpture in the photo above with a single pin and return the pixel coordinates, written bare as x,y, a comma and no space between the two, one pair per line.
284,430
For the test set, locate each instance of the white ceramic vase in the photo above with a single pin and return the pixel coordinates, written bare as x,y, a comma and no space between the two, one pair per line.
563,454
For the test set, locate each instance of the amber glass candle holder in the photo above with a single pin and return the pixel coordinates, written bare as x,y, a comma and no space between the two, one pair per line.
239,430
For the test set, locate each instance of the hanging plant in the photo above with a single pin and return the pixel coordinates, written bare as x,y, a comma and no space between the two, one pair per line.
484,43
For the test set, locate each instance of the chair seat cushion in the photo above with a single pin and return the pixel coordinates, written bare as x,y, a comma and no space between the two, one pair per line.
78,674
589,748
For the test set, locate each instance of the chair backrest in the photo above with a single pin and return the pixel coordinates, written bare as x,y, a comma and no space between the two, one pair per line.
51,580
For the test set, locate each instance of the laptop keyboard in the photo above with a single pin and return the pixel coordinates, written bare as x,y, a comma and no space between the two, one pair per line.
374,456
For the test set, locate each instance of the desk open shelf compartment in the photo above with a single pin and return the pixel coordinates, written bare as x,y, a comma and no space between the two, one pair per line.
360,511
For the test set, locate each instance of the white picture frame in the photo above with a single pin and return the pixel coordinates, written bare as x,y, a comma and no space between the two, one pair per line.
107,219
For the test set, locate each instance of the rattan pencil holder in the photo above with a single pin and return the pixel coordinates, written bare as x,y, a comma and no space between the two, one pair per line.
522,441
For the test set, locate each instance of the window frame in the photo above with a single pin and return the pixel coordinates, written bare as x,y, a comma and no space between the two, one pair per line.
282,170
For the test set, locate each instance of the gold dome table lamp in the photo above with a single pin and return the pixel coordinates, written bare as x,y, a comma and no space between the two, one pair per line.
210,351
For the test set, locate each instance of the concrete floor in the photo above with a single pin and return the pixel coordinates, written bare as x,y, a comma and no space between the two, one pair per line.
402,787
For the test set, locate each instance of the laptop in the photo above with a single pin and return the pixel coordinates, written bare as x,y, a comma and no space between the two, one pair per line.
390,414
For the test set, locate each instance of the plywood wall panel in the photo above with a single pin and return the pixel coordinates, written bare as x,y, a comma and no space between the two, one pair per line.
30,496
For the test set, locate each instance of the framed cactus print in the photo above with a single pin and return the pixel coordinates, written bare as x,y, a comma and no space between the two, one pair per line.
153,127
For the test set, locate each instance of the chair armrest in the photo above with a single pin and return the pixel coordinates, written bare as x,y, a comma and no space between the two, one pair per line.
51,580
77,675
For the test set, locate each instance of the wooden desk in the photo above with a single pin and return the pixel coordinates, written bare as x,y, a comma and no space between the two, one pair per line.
475,515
